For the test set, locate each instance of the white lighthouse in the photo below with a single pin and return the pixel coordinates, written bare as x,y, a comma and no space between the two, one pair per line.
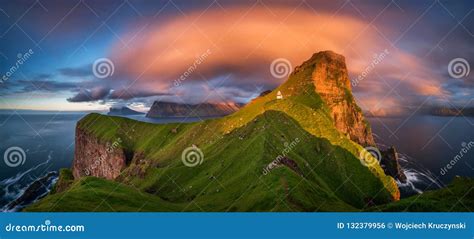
279,95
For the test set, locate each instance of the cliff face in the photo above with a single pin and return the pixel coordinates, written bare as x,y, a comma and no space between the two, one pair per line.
169,109
95,158
331,81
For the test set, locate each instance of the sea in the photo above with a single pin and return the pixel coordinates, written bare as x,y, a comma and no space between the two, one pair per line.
35,143
432,149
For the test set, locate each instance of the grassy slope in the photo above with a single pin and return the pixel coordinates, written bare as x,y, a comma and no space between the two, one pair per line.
94,194
236,149
330,173
457,197
102,194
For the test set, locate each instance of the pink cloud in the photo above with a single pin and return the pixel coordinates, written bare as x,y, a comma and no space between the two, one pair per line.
244,42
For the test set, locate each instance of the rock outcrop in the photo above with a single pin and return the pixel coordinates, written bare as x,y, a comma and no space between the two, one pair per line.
95,158
331,81
169,109
391,164
33,192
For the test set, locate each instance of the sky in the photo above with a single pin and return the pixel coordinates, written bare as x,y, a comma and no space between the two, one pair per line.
402,56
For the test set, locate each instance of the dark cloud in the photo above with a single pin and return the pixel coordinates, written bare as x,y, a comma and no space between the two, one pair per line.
46,85
26,86
43,76
105,93
126,94
76,72
86,95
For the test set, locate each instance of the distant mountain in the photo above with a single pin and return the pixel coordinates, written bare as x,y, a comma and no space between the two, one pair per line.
123,111
446,111
169,109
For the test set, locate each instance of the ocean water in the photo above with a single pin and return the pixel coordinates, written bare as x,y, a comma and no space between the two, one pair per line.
425,144
44,142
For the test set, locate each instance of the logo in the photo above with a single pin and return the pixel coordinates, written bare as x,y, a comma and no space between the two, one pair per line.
192,156
370,156
458,68
103,68
280,68
14,157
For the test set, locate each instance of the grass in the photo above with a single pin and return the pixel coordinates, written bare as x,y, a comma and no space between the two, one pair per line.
94,194
334,179
456,197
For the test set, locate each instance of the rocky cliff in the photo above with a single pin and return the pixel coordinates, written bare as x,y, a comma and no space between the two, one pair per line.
95,158
169,109
331,81
391,165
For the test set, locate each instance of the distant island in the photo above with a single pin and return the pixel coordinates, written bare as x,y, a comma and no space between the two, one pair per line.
441,111
123,111
447,112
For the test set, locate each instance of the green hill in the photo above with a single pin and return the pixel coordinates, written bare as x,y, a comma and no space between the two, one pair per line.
317,128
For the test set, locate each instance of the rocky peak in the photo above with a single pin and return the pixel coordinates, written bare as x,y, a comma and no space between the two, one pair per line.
327,71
